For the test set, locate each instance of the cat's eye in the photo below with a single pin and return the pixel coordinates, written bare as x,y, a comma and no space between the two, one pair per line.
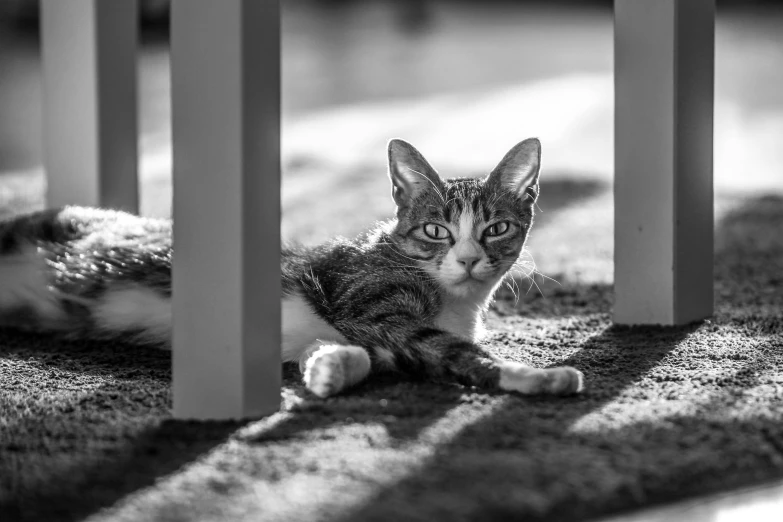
498,229
436,231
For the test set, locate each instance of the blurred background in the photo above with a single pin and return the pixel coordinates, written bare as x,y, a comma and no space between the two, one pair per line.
462,80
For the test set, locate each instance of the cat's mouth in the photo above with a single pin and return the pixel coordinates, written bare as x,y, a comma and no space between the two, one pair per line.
468,279
467,285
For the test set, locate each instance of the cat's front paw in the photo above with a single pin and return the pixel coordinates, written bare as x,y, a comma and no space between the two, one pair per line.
533,381
564,381
323,373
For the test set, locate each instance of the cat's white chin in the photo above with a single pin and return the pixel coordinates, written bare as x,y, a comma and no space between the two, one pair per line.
467,286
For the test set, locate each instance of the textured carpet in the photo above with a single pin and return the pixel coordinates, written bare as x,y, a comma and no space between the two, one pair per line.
669,413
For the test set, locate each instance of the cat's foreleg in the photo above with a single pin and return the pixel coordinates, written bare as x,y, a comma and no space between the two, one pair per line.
434,353
471,364
329,368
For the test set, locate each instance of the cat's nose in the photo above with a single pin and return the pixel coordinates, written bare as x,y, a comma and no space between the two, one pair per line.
468,261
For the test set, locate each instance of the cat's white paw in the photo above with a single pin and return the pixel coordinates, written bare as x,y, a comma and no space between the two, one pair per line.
330,368
324,374
565,381
533,381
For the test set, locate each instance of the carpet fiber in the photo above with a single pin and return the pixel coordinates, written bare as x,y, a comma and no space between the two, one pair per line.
669,413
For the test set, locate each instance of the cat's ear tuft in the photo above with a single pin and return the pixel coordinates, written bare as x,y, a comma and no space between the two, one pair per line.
519,169
410,173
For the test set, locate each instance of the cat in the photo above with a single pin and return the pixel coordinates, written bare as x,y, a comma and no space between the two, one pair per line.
407,297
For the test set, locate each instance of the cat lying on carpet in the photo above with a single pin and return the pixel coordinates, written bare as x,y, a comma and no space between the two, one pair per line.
407,297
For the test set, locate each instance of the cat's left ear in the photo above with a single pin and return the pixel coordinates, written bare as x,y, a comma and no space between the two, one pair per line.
518,170
411,174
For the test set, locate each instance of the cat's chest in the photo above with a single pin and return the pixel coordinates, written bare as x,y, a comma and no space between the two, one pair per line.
461,318
301,327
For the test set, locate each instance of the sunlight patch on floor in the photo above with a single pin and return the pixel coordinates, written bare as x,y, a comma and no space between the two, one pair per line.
361,470
469,132
691,395
760,504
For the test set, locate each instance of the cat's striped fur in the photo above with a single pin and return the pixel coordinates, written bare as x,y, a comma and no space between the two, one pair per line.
408,296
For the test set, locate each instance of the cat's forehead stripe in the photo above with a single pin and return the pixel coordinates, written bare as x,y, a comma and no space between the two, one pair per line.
466,222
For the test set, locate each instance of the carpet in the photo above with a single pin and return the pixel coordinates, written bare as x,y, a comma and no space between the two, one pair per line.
670,412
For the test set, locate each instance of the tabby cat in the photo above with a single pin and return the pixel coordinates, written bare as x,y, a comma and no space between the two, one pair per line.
407,297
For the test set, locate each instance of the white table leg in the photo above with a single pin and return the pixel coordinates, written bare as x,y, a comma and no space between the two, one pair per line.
226,137
664,76
90,118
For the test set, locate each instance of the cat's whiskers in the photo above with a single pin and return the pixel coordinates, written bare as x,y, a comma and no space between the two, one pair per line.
521,275
531,276
534,268
543,276
525,267
533,283
512,285
447,203
437,190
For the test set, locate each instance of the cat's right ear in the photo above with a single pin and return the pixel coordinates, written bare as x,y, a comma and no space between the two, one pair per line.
410,173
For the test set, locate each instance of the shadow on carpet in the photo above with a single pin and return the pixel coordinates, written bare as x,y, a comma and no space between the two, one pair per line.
669,413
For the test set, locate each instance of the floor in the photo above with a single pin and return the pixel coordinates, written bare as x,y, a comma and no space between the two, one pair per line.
669,413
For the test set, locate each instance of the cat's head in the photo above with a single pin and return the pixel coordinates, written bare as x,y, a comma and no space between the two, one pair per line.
466,233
